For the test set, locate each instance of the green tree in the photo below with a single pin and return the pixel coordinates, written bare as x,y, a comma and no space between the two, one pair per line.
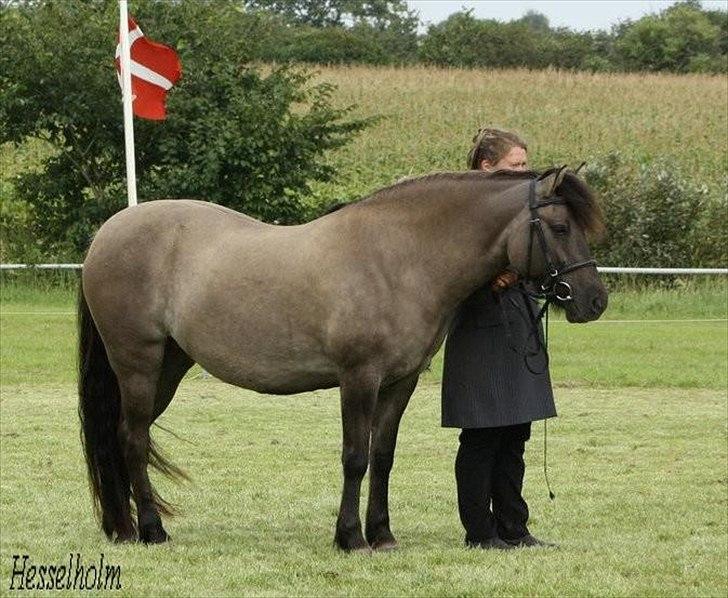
668,41
341,31
327,13
233,135
535,21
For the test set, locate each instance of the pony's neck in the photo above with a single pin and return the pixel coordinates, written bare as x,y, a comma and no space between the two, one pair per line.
457,230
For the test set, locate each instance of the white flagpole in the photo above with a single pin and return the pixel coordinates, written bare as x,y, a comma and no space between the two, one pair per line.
126,92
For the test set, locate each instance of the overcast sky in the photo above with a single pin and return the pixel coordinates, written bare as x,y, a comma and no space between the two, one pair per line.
579,15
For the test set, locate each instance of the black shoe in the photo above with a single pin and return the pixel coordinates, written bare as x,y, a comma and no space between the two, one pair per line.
528,540
490,544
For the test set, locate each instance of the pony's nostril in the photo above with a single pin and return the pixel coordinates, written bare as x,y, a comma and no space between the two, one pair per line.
597,304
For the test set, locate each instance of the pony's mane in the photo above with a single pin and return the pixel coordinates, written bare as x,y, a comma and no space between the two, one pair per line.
582,202
574,191
435,176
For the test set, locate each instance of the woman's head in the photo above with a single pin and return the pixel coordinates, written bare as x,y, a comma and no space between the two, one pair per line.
494,149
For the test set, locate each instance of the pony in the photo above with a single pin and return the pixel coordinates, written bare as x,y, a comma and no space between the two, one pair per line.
360,298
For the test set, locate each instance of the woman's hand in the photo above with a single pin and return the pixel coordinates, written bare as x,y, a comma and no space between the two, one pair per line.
503,281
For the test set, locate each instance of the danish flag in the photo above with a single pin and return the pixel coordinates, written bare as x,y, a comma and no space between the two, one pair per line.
155,68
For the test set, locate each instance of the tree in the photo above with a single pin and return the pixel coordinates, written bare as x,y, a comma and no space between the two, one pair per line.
342,31
381,14
233,136
535,20
668,41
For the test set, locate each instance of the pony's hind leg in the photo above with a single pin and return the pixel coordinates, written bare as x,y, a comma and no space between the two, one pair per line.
138,385
358,397
175,364
391,404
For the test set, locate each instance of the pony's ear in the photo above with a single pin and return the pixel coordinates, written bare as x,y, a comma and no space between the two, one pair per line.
550,181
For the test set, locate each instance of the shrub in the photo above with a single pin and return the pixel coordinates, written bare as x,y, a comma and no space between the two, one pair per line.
329,45
656,217
234,135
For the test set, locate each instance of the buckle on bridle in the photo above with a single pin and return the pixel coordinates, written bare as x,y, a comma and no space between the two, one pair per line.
565,284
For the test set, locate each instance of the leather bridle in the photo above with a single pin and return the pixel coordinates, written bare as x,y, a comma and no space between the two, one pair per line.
551,286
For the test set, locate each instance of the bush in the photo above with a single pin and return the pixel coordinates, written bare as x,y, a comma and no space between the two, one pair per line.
329,45
233,136
656,217
670,40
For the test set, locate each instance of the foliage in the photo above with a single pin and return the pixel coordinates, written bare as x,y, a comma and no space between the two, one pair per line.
337,31
657,217
330,45
234,135
680,39
381,14
463,40
428,116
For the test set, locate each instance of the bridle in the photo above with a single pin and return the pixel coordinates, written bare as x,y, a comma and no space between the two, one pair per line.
550,288
551,285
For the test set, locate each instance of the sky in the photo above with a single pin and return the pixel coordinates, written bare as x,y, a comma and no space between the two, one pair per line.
579,15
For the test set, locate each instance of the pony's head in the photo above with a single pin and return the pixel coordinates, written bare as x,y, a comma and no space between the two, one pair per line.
548,243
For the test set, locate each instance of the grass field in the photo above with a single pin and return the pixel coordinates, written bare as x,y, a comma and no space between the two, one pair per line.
429,116
638,457
638,462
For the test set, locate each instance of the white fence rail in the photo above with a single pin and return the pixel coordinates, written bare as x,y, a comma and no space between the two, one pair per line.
602,269
41,266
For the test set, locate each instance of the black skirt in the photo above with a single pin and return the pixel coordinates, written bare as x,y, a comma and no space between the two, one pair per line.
485,382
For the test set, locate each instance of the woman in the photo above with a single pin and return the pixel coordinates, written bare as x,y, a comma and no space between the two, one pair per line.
491,391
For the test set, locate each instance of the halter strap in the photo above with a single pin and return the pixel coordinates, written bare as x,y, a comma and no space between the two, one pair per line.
551,280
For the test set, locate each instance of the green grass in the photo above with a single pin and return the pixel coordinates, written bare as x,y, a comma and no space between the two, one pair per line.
38,327
639,473
640,479
430,115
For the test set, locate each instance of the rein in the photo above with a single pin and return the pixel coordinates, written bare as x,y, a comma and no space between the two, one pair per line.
549,289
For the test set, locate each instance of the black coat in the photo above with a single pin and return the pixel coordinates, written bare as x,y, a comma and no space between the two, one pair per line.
485,383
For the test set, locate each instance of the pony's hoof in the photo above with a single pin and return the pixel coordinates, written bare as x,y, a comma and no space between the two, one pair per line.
125,538
348,544
385,545
153,534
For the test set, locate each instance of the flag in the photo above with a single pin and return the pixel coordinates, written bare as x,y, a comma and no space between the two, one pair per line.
155,68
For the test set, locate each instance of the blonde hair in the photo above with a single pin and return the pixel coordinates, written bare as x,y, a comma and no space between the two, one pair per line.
492,145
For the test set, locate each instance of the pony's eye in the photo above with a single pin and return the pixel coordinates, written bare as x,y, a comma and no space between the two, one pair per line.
560,229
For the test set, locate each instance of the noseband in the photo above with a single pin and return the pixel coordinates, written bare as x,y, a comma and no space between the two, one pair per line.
551,285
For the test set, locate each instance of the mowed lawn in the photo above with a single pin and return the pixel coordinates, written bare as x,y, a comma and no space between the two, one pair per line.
637,459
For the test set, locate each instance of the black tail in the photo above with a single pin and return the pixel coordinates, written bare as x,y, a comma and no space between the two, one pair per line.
99,408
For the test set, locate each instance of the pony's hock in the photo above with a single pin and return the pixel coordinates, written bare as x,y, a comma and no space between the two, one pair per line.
360,298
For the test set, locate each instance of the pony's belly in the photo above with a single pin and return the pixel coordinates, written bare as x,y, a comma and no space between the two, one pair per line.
280,386
270,372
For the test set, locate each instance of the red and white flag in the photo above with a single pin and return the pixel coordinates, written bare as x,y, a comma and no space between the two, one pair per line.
155,68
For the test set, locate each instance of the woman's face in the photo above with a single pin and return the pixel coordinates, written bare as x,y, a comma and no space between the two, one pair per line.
515,159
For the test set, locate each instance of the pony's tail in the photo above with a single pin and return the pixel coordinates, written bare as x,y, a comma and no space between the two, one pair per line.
99,409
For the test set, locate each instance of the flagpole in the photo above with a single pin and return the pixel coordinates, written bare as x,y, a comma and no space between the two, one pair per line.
126,92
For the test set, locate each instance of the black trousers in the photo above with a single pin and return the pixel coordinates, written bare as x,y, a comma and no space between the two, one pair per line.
489,471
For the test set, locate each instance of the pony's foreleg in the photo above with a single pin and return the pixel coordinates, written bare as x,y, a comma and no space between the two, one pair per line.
138,389
358,396
387,415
